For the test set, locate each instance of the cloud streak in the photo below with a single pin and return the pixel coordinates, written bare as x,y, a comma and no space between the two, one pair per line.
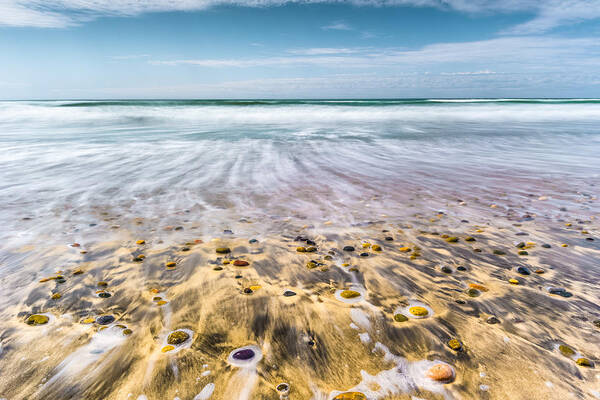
547,14
536,53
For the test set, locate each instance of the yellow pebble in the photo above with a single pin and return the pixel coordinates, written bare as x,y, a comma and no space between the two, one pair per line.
140,242
405,249
376,247
167,348
418,311
56,296
513,281
564,245
366,245
88,321
161,303
171,264
254,288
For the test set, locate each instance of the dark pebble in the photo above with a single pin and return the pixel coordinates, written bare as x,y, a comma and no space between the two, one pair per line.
105,320
461,268
247,290
492,320
446,269
597,323
520,245
310,242
104,295
546,246
522,234
246,354
389,238
364,254
289,293
590,239
228,232
348,248
499,252
461,301
523,271
252,241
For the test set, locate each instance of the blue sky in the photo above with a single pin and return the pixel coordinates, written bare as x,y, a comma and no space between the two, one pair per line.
299,48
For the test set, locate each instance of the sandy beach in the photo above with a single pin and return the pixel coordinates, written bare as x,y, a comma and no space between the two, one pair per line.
273,269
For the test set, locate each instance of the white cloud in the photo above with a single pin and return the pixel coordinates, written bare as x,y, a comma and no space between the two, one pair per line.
338,26
547,14
323,50
535,53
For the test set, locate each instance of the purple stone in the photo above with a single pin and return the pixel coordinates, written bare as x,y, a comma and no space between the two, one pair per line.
245,354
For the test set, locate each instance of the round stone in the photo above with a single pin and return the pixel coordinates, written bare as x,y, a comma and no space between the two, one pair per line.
478,287
376,247
546,246
400,318
127,332
513,281
471,292
140,242
455,344
171,264
499,252
405,249
105,319
311,249
452,239
167,348
283,388
241,263
349,294
523,253
566,350
492,320
56,296
418,311
389,238
348,248
104,295
177,337
523,271
243,355
350,396
441,373
470,239
252,241
289,293
461,268
364,254
37,319
597,323
102,283
446,269
217,268
583,362
223,250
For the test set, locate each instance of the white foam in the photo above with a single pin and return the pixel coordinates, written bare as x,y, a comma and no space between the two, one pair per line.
206,392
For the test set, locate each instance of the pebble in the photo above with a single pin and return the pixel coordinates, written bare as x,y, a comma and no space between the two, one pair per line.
223,250
473,292
418,311
523,271
364,254
241,263
243,355
478,287
566,350
56,296
583,362
350,396
348,248
140,242
400,318
37,319
105,320
546,246
349,294
289,293
499,252
470,239
104,295
447,270
177,337
455,344
513,281
492,320
441,373
252,241
376,247
452,239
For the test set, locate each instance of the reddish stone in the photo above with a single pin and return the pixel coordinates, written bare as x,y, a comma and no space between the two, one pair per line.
241,263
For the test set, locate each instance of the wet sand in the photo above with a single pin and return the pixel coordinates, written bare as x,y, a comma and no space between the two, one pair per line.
327,320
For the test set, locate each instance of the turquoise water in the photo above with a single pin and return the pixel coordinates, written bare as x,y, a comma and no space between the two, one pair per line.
66,160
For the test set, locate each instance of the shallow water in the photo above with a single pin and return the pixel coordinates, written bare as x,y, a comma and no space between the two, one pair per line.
105,174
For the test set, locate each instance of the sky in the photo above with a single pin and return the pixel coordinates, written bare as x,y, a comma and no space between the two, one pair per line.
118,49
